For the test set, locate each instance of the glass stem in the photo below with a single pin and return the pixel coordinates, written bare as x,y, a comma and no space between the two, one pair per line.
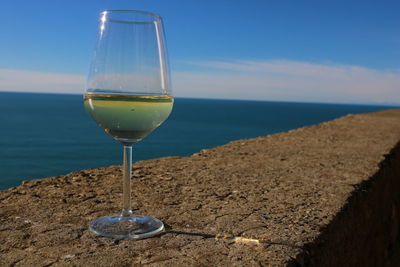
127,174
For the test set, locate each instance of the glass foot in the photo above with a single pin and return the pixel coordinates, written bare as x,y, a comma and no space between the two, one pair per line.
133,226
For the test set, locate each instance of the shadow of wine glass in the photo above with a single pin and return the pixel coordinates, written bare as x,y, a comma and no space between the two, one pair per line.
264,242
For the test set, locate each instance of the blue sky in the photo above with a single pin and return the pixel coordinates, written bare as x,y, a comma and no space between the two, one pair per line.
313,51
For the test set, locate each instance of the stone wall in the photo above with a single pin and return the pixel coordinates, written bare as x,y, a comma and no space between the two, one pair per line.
324,195
366,231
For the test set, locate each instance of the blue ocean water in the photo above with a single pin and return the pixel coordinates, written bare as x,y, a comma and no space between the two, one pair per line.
46,135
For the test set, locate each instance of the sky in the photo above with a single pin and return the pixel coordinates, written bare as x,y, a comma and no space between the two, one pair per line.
303,51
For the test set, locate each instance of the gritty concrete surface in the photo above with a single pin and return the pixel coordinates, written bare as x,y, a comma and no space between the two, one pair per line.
287,190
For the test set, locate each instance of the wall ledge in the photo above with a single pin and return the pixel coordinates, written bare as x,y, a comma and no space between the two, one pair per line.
323,195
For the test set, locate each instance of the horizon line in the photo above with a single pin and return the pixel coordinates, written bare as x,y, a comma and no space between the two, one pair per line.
382,104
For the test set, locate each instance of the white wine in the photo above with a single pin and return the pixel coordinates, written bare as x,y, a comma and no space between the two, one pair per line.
128,118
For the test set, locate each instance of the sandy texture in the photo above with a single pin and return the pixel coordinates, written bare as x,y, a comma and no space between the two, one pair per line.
283,188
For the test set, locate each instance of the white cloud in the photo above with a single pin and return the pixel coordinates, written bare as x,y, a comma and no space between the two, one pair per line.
289,81
33,81
280,80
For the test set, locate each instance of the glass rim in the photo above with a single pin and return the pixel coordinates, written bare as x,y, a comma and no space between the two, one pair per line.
155,16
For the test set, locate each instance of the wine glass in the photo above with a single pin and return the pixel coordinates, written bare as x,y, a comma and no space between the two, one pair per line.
128,94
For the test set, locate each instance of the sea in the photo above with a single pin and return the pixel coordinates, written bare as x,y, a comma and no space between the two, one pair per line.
45,135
